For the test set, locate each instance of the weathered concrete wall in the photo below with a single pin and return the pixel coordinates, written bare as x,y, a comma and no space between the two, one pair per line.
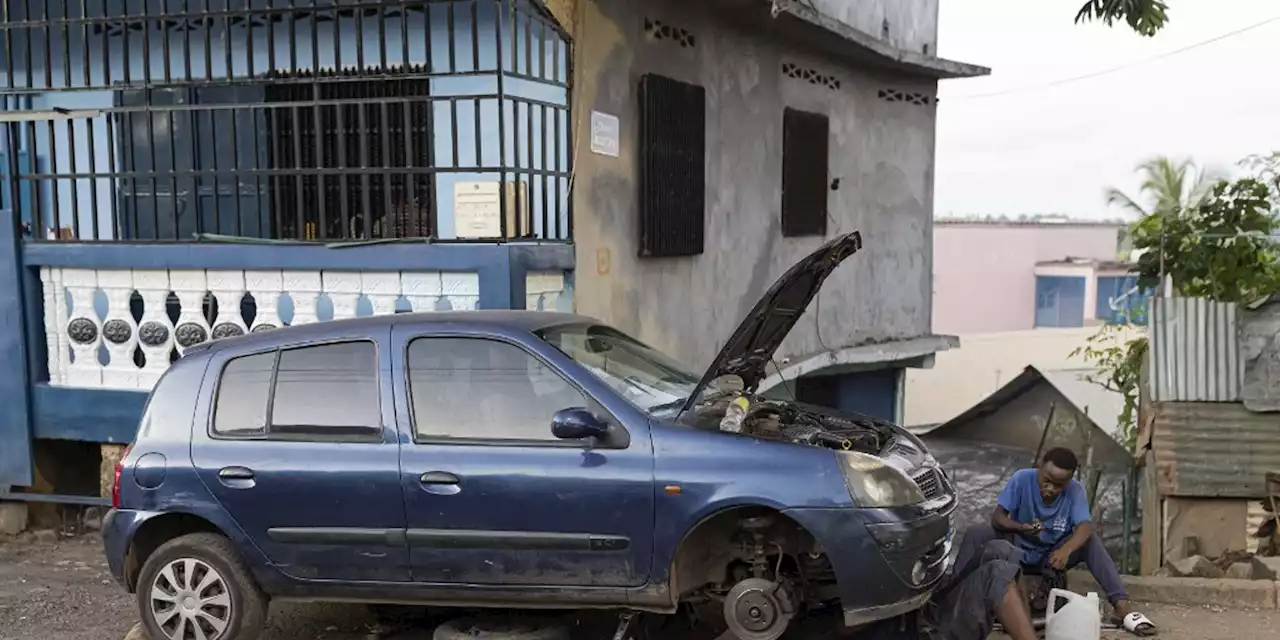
906,24
1218,526
882,153
564,12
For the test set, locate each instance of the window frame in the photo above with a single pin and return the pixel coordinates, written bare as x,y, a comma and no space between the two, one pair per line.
267,435
619,437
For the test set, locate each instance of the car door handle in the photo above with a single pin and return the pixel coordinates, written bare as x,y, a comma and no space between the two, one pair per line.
235,473
438,477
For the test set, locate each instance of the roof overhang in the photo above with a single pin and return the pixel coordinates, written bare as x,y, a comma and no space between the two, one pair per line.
799,22
867,354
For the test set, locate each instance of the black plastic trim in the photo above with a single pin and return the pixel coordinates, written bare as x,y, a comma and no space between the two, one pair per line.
516,540
337,536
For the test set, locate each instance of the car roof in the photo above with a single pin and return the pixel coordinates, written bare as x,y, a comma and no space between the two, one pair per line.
495,320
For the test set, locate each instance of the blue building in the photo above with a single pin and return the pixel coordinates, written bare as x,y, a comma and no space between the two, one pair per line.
178,171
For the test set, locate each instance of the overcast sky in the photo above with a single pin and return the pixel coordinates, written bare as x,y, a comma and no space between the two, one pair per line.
1055,149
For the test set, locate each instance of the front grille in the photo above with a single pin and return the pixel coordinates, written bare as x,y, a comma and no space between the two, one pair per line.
930,484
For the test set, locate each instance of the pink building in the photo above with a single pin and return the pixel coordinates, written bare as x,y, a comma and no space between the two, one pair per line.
985,274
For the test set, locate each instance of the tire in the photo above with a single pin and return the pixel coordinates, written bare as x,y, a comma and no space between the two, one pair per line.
245,612
503,628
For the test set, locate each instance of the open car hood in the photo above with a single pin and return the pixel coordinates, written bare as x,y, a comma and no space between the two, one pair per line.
752,345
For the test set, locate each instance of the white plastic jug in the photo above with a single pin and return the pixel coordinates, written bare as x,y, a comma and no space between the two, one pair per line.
1079,619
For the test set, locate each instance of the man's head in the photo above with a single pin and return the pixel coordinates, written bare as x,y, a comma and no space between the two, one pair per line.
1055,472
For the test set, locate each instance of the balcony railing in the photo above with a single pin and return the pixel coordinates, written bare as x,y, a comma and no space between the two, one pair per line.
285,120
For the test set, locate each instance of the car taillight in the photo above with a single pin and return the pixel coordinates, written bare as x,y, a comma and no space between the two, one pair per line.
115,483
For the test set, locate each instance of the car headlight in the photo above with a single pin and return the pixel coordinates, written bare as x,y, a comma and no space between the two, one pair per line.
872,483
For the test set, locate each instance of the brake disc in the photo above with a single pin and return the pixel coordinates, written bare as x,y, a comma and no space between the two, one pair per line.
758,609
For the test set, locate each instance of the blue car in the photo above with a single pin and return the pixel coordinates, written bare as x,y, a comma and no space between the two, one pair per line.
516,459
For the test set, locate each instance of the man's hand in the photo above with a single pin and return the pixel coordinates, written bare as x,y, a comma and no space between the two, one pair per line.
1032,528
1059,559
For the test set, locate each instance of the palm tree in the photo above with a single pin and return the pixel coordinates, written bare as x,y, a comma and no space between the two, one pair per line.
1168,187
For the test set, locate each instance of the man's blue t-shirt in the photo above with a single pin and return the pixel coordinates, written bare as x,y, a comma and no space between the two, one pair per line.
1021,498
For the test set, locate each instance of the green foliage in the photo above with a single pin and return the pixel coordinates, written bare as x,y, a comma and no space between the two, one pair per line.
1213,242
1219,249
1119,369
1167,187
1146,17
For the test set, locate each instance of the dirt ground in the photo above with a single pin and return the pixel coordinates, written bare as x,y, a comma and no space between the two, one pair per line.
54,588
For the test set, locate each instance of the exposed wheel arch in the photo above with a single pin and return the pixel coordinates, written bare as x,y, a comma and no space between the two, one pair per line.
156,531
707,548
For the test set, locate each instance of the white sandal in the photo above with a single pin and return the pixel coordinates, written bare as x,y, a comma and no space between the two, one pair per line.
1139,625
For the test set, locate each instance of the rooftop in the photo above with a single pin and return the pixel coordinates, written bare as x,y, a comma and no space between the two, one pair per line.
1036,221
1094,263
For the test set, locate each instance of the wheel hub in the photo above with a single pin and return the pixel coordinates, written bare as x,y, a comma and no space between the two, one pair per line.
757,609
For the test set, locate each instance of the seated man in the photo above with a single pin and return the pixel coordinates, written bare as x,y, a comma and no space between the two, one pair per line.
1045,512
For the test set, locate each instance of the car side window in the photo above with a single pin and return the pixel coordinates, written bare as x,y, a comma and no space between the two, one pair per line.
480,389
321,392
243,392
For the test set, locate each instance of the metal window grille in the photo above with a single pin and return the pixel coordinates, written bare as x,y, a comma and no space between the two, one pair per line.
672,170
305,120
804,173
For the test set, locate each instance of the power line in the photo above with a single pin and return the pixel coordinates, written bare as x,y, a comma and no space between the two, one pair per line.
1103,72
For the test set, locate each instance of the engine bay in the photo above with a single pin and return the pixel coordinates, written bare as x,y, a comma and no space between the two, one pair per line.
751,415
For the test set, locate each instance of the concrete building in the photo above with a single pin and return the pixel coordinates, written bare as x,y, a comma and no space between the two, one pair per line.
865,75
994,276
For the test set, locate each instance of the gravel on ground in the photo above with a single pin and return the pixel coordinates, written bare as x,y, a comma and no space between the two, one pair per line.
57,588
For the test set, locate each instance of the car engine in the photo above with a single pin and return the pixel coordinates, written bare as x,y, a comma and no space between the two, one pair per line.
793,422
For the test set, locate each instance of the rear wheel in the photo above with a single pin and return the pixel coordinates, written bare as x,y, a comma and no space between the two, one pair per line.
196,588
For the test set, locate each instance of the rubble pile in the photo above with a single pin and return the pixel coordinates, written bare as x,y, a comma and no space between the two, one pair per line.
1235,565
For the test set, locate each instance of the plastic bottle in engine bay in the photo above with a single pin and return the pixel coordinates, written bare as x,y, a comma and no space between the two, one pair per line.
734,414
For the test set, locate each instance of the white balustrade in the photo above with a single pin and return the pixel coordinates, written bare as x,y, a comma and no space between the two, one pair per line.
543,290
91,345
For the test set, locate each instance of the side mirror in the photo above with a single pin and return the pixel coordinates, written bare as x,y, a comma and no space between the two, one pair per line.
577,423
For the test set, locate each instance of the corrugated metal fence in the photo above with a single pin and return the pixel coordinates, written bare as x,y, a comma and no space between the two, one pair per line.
1194,351
1214,449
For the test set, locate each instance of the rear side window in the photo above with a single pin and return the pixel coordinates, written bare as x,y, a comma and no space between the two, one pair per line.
477,389
324,392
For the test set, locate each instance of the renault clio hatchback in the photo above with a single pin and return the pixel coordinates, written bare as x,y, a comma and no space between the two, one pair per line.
516,459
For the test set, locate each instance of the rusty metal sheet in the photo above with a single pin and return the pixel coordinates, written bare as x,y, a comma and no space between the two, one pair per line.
1214,449
1194,351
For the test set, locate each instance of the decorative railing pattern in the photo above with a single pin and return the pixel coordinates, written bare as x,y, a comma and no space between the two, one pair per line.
121,328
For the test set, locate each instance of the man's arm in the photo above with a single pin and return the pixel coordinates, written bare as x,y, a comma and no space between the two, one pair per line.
1006,503
1080,535
1001,521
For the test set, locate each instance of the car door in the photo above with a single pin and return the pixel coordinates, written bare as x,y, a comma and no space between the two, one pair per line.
491,496
301,450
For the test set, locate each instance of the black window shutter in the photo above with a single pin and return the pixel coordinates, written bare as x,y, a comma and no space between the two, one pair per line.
804,173
673,122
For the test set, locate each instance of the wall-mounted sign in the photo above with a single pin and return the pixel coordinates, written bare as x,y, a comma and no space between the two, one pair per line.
477,210
604,134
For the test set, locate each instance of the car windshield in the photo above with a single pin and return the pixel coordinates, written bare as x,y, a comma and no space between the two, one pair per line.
643,375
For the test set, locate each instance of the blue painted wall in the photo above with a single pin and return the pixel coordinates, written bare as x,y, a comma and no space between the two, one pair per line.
15,404
872,393
252,56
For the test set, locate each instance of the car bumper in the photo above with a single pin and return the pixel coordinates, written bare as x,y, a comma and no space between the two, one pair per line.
118,528
887,561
